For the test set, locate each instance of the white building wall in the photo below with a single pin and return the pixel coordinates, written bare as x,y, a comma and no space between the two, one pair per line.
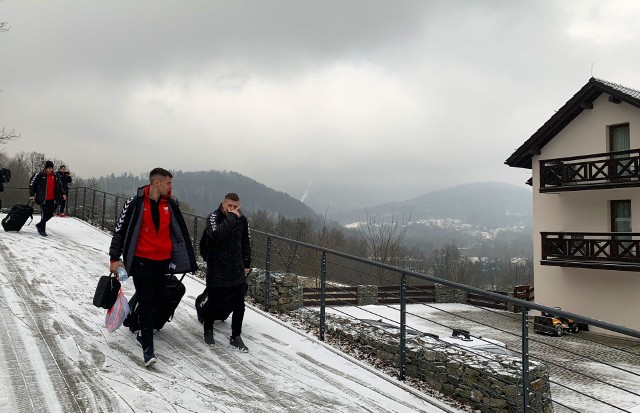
612,296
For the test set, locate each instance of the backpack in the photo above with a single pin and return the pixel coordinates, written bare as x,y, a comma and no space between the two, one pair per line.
17,216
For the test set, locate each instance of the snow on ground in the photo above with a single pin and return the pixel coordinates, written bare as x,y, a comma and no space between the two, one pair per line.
57,356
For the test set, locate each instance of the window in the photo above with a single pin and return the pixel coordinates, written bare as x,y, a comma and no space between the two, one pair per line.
621,216
619,140
621,245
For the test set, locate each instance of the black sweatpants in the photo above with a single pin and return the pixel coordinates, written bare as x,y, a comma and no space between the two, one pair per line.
62,205
46,212
149,278
220,297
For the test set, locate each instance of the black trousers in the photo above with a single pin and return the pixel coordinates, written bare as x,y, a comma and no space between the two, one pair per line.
232,297
46,213
149,279
62,205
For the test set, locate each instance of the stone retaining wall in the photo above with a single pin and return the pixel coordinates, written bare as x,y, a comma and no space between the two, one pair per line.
285,294
486,382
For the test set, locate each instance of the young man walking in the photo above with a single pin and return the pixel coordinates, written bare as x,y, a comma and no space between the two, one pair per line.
152,237
228,263
46,191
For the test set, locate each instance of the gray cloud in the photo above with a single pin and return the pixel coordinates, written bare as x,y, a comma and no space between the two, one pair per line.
362,101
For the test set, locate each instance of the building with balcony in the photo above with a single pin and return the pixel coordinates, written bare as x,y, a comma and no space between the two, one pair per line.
585,164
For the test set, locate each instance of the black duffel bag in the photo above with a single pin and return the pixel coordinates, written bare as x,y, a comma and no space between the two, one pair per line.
106,291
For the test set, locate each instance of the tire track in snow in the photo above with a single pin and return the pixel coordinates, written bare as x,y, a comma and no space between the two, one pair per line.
70,383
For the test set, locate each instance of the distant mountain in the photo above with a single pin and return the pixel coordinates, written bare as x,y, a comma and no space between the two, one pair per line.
204,190
480,204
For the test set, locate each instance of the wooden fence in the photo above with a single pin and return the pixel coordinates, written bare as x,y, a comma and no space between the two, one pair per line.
336,296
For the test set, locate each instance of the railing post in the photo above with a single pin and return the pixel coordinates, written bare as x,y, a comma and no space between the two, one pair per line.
525,360
93,205
403,326
84,201
196,245
267,275
323,293
104,208
75,204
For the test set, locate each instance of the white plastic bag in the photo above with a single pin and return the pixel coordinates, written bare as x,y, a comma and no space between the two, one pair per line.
117,313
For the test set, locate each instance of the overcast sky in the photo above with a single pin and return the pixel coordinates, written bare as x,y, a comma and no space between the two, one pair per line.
344,101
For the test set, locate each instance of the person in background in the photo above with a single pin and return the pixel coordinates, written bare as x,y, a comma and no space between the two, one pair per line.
153,239
228,263
65,180
45,190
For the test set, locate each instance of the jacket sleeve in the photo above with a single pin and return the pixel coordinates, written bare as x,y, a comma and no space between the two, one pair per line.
33,184
246,244
218,231
117,241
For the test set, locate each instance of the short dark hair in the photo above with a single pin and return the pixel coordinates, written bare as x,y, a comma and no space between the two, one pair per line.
232,196
159,171
62,166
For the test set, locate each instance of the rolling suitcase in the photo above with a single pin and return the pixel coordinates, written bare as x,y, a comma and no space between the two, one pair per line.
17,216
163,312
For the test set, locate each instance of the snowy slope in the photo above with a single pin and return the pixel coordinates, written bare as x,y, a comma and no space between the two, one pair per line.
56,355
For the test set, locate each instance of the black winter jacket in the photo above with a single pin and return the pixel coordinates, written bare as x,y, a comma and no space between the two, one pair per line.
38,188
65,180
125,237
228,249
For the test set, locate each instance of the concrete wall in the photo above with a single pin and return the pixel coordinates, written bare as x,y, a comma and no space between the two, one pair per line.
601,294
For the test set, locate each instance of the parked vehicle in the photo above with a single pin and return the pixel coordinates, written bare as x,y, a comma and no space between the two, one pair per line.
548,323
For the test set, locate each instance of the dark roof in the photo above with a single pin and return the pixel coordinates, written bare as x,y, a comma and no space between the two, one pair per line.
521,158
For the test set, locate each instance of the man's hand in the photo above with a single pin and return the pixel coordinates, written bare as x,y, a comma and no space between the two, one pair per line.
115,265
235,211
64,197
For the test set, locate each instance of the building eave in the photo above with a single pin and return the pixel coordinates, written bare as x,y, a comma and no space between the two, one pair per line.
582,100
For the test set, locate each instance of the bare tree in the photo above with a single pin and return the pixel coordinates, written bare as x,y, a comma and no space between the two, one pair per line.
5,135
384,240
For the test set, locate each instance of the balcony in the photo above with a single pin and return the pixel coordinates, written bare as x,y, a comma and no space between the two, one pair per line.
597,171
601,250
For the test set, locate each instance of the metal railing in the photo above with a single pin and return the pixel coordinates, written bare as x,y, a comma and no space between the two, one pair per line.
588,372
600,170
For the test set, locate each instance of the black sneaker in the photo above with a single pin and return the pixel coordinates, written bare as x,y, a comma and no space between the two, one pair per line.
41,231
238,343
149,357
208,337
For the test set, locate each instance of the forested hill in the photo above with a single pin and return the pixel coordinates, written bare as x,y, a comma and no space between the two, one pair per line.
204,190
490,204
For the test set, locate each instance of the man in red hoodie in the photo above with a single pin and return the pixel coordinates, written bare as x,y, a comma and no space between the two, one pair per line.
45,189
153,239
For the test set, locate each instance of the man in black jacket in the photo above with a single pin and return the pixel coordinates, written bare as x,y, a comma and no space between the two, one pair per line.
65,180
46,191
228,262
152,237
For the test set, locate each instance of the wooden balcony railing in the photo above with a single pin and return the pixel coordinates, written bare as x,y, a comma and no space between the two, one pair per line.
597,171
604,250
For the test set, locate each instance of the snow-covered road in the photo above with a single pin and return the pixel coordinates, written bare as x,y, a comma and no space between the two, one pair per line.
57,356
